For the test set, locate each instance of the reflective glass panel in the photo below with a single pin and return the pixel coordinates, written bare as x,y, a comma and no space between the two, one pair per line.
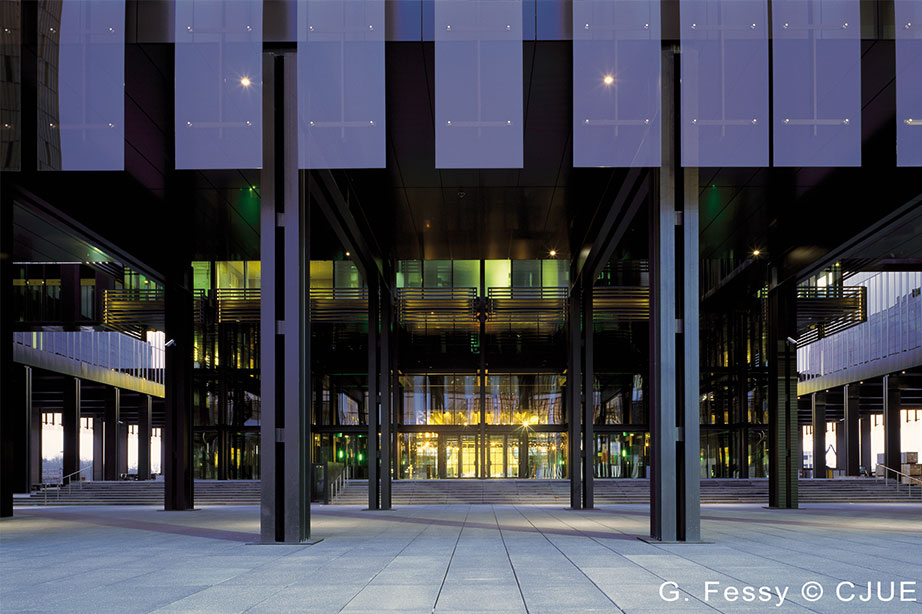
724,82
524,399
908,82
341,84
87,129
10,83
616,83
478,84
816,82
218,84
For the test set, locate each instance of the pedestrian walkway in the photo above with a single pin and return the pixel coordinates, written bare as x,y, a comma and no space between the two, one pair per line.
461,558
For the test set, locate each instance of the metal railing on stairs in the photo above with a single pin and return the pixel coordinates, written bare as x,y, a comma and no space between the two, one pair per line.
62,484
902,479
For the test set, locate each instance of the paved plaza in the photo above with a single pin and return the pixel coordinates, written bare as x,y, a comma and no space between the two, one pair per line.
462,558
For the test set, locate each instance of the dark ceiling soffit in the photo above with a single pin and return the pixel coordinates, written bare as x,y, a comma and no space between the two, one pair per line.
326,194
74,227
633,191
861,240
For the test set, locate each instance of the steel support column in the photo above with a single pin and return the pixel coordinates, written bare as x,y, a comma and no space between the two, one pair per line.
112,413
373,442
99,447
674,385
70,420
588,397
144,420
176,465
35,446
892,404
284,320
785,455
387,309
818,419
865,427
851,447
573,399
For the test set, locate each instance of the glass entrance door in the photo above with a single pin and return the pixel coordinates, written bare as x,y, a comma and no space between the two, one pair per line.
502,456
469,456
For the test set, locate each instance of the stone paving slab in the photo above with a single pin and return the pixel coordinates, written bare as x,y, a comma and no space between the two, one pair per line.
454,559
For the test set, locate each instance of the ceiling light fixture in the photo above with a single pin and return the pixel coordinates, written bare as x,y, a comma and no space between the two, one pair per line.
245,82
608,79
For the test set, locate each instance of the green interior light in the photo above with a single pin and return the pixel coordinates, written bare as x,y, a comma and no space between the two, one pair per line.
361,456
340,453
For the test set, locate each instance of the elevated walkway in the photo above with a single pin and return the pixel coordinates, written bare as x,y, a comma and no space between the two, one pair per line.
608,491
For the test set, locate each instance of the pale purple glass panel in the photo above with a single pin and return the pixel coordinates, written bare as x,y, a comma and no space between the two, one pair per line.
341,84
478,84
817,82
617,62
724,82
91,85
219,84
908,82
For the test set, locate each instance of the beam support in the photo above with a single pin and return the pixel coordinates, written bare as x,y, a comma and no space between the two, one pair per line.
785,455
852,460
284,320
144,421
674,380
373,443
70,420
176,466
892,404
588,397
385,386
818,419
573,399
112,413
865,427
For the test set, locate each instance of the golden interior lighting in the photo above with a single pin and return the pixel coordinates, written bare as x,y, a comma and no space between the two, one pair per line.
608,79
245,82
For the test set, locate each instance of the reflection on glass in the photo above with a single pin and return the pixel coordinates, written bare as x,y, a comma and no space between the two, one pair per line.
10,84
478,84
816,87
616,83
525,400
341,84
908,83
418,454
218,84
621,455
436,399
724,82
547,454
85,50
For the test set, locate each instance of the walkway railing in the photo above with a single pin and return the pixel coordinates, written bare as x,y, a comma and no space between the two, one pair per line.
911,480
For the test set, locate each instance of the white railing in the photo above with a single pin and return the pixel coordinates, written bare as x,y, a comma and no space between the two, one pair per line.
109,350
894,326
908,480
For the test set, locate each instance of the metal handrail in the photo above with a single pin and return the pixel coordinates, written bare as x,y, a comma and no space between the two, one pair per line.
912,479
64,480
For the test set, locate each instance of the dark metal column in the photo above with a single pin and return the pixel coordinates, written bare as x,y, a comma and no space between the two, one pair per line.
285,378
785,455
112,413
663,367
588,396
573,399
481,447
176,465
385,384
818,419
99,447
122,448
689,436
144,419
70,420
11,389
373,447
35,447
892,401
865,427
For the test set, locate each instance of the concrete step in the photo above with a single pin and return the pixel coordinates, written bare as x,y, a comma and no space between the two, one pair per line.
207,492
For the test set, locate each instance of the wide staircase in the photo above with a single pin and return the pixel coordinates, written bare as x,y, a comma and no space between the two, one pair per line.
421,492
207,492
